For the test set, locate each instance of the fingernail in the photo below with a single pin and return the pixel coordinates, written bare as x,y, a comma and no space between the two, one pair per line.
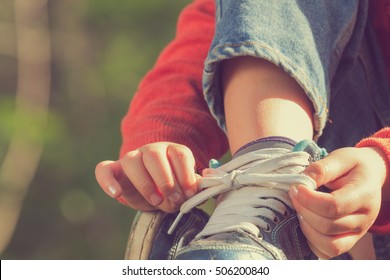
174,197
294,191
155,199
300,217
112,190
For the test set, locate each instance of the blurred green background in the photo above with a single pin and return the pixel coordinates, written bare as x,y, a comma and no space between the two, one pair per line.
86,57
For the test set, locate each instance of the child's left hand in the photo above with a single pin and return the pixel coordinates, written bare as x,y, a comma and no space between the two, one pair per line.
334,222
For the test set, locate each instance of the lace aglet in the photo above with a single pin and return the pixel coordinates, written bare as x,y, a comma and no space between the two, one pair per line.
175,222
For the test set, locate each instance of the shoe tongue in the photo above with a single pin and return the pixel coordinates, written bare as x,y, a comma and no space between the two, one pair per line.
266,143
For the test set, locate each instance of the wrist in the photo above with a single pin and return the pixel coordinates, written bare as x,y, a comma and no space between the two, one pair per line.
380,161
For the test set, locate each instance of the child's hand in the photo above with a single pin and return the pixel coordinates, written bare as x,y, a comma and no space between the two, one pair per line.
334,222
159,175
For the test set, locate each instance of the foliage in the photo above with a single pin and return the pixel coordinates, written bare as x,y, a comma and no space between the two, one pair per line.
100,51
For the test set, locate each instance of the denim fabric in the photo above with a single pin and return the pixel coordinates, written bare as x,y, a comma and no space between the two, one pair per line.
326,45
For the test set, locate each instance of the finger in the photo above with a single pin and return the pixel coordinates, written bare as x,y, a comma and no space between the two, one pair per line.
110,177
105,176
133,166
157,164
328,245
353,223
317,252
331,205
183,164
329,169
130,196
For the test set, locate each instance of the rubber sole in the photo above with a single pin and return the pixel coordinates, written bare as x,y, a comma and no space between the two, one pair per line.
142,234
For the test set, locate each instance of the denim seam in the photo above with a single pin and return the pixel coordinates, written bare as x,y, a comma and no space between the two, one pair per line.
272,55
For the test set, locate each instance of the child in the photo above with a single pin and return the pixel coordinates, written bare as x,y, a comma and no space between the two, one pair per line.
255,89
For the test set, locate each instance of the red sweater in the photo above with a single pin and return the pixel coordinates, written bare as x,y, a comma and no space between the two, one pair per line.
169,103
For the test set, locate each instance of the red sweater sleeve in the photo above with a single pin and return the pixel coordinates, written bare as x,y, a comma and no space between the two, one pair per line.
381,140
169,103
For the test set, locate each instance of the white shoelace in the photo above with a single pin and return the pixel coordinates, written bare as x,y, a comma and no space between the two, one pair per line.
251,188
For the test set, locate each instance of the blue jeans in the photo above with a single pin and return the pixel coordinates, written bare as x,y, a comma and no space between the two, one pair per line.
328,46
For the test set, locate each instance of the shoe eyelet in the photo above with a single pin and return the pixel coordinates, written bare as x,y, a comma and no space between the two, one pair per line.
276,220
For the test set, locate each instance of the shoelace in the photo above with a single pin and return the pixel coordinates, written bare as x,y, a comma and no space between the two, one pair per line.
251,188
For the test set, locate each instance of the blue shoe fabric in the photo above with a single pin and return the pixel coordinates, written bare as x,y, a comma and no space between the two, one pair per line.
281,242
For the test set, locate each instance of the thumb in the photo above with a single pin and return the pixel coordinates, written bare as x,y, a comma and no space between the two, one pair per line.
327,171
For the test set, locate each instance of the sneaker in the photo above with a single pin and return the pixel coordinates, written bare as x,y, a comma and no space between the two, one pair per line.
254,218
149,240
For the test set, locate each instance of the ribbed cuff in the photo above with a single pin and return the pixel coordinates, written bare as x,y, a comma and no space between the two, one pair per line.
380,140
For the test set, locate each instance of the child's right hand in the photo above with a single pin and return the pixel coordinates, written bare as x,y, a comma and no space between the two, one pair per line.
156,176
